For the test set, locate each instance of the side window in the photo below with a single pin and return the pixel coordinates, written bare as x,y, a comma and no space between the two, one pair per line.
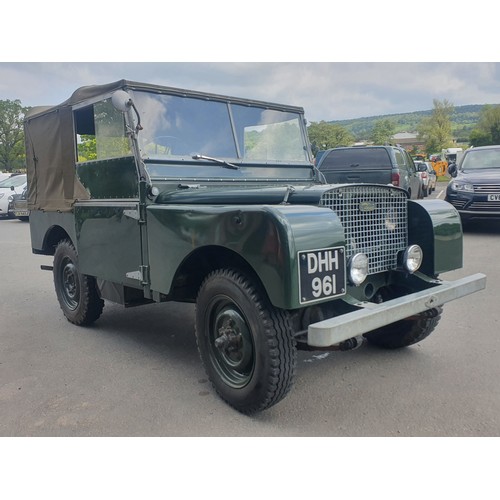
399,159
411,164
100,132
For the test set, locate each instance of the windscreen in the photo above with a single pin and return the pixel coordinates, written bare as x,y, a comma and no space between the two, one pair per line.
178,127
15,181
481,159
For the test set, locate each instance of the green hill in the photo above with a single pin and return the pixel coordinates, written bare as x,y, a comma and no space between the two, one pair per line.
464,120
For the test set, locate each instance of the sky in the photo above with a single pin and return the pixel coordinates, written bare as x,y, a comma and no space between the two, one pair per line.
326,90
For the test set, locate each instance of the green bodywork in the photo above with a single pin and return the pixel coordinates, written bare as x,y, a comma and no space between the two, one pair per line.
266,238
438,231
189,230
160,226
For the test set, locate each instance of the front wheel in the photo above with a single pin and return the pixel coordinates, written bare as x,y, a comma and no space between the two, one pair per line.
407,331
245,343
77,293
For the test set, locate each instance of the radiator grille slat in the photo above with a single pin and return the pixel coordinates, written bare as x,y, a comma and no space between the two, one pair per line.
375,220
485,205
487,188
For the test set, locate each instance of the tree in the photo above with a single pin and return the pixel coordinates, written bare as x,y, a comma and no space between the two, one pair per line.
479,137
12,154
383,131
488,128
435,130
323,135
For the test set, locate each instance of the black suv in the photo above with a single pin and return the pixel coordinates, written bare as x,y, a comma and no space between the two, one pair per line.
475,188
373,165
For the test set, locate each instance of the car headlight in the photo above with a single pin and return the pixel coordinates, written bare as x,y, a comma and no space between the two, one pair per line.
412,258
10,198
462,186
358,268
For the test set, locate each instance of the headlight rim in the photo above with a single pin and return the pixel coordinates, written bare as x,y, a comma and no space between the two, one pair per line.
407,258
352,260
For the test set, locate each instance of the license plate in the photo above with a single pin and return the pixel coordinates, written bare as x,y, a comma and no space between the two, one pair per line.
494,197
321,274
21,213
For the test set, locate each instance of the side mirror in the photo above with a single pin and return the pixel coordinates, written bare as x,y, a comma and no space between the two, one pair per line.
121,100
452,169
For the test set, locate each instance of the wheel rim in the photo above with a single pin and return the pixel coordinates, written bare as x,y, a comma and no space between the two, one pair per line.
231,347
70,284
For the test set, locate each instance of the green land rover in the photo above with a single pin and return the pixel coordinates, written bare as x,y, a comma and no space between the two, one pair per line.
144,193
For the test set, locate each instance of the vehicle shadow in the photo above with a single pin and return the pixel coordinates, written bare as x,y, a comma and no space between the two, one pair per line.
482,227
165,329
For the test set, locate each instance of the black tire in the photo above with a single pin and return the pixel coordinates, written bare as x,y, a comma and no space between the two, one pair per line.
245,343
77,293
406,332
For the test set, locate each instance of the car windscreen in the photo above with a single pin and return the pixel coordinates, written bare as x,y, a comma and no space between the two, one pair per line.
178,127
15,181
350,158
481,159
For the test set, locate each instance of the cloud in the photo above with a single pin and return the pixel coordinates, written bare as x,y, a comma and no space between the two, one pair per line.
327,90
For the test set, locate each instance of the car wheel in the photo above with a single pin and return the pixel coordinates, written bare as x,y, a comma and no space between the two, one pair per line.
407,331
77,293
245,343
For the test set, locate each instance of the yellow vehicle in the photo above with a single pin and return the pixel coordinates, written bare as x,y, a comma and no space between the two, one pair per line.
440,162
440,166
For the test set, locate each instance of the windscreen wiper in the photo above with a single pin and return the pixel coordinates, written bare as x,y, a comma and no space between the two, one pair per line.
224,163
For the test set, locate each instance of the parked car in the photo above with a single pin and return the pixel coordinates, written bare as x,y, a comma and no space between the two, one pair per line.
423,174
427,175
18,207
475,188
371,165
432,177
9,187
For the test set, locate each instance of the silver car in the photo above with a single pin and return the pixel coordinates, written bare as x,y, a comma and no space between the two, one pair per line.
428,177
9,187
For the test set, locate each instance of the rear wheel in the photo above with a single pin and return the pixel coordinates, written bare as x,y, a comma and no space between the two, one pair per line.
245,343
77,293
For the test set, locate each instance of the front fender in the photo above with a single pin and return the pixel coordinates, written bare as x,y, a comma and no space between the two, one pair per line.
435,226
267,237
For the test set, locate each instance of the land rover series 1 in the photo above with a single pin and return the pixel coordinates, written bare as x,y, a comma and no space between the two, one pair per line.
145,193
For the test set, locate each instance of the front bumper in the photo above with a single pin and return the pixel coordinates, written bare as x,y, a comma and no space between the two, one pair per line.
371,316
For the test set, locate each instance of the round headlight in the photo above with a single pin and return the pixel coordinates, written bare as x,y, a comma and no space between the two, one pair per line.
358,268
413,257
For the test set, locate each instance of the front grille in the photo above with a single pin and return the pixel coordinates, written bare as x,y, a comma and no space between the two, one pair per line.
487,188
375,220
458,204
493,206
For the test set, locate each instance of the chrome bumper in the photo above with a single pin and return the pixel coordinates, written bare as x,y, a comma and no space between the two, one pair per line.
371,316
